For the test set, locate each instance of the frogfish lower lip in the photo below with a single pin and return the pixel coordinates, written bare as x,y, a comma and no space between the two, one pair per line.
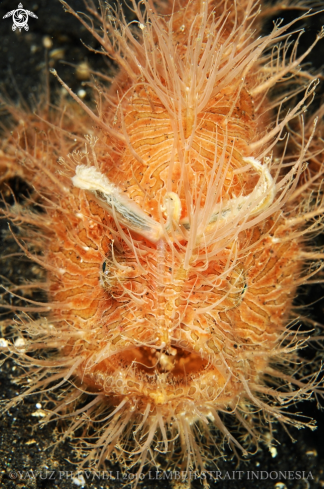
161,375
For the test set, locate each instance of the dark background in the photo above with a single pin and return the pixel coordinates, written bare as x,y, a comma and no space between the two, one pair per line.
24,446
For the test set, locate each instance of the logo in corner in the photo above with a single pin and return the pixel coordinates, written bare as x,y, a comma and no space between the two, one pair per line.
20,18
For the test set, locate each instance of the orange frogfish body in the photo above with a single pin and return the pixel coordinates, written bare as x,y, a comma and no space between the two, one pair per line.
174,233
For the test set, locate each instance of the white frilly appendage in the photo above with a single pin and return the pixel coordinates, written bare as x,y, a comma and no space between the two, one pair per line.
257,201
129,214
120,207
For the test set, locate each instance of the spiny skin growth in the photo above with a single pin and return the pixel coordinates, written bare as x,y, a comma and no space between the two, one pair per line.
173,234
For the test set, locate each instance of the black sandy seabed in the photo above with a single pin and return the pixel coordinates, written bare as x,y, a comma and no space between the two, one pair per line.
26,457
